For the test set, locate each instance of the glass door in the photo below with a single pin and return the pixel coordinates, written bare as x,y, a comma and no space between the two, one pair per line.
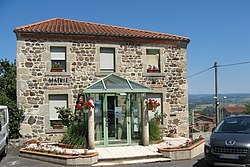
115,120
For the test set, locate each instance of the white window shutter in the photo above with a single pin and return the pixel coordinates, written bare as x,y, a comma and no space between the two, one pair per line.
57,56
152,60
55,103
58,53
106,61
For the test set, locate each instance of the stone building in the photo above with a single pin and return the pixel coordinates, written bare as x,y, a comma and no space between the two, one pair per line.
117,68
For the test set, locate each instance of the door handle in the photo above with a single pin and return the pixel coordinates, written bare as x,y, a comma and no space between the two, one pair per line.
107,122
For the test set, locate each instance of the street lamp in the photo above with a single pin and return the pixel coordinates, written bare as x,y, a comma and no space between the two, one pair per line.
221,110
216,109
218,113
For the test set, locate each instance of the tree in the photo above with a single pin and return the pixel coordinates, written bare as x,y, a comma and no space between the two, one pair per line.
8,96
8,78
247,110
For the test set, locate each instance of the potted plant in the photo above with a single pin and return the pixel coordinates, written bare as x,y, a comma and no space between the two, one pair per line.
56,67
172,131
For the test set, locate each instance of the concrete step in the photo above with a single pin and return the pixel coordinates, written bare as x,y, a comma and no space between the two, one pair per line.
129,155
135,160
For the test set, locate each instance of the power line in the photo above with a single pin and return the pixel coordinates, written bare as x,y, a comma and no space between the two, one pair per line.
201,72
225,65
234,64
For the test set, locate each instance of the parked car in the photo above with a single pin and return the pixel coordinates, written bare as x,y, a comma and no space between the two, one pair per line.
229,143
4,130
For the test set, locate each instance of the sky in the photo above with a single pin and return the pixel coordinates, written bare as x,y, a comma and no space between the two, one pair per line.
219,31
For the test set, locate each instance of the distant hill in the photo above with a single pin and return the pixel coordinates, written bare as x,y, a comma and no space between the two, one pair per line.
204,103
241,98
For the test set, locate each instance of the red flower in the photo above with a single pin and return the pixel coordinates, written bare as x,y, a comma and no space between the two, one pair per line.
84,106
152,104
78,106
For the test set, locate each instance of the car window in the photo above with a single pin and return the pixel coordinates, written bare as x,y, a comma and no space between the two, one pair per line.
2,117
234,124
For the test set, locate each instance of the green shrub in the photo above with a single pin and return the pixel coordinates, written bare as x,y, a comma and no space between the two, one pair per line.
154,131
15,116
8,96
75,136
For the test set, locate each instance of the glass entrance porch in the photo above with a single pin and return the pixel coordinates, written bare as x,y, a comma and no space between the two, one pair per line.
117,113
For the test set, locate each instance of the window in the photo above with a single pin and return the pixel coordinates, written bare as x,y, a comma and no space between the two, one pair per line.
152,60
107,59
56,101
58,59
3,119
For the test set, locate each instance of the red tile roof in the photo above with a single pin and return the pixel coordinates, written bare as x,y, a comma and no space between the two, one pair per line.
199,116
239,108
72,27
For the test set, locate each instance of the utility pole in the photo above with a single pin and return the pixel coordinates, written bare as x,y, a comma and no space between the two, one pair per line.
192,123
216,93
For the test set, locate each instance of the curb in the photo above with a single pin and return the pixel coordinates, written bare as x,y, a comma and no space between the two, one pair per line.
134,161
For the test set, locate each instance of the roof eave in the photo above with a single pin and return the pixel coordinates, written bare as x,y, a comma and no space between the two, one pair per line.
187,40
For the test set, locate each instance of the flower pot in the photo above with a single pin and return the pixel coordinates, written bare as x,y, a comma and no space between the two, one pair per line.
173,135
152,110
56,69
58,126
152,70
86,111
178,153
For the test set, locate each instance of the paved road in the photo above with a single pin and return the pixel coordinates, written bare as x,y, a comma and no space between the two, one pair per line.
13,160
195,162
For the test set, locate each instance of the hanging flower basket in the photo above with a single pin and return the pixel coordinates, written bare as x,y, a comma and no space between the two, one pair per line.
152,104
85,107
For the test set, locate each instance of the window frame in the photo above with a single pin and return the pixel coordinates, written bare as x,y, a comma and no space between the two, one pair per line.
3,117
114,60
57,60
156,67
66,96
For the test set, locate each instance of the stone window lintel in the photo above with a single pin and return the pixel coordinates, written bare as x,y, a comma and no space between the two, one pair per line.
49,130
57,74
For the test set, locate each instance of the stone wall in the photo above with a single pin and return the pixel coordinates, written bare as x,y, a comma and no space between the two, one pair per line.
35,81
